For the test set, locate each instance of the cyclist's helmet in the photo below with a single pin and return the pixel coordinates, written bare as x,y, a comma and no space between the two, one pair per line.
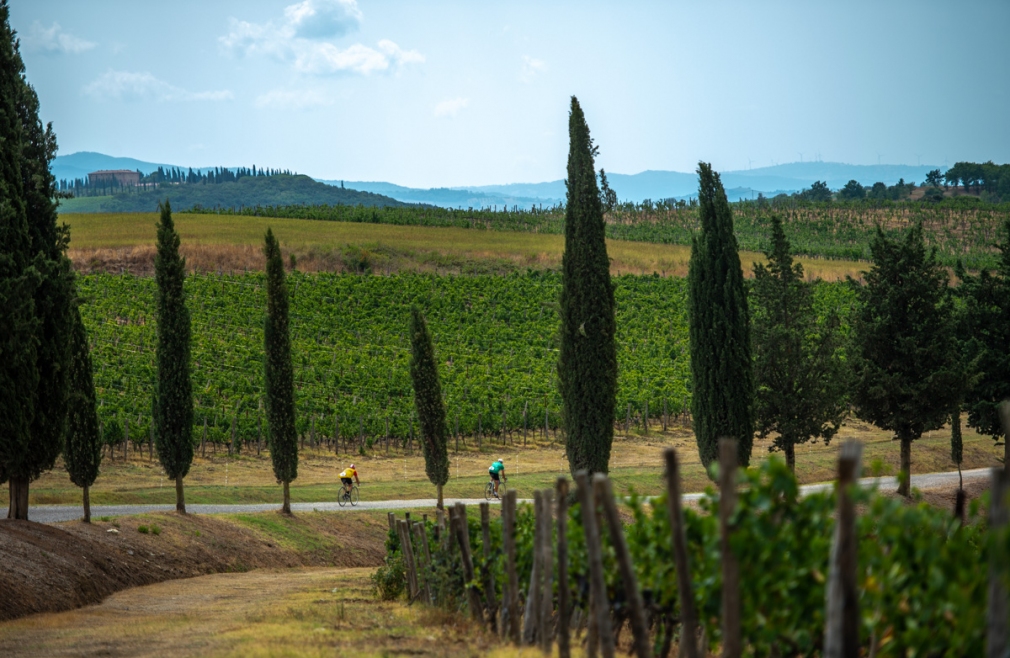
501,460
352,465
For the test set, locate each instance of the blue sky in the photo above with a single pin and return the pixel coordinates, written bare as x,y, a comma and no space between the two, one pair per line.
469,93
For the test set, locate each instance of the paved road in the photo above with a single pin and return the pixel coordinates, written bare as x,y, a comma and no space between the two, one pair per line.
57,513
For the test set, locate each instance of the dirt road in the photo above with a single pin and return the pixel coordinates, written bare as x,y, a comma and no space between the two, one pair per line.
293,612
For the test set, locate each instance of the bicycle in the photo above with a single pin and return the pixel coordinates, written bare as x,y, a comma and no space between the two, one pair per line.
346,496
489,489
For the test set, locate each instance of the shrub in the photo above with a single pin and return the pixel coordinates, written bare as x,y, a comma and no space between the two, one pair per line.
390,580
143,529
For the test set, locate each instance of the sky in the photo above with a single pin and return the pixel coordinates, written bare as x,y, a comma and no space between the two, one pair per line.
439,94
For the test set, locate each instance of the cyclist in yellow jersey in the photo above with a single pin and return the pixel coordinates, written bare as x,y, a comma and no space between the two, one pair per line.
345,478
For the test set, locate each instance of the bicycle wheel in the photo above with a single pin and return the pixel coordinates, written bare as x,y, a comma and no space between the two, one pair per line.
342,497
355,495
489,491
502,488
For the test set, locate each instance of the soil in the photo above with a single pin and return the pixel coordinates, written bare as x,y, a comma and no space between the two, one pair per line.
49,568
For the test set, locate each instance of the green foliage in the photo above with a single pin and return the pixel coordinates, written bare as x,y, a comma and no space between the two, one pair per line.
428,400
960,227
908,377
800,376
390,579
82,455
722,385
587,360
19,281
278,369
818,192
921,575
985,334
247,191
173,394
143,529
853,191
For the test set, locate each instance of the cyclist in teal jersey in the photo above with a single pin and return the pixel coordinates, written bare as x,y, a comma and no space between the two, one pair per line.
497,471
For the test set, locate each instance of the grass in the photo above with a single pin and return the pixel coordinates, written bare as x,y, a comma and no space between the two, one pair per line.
635,464
232,243
293,613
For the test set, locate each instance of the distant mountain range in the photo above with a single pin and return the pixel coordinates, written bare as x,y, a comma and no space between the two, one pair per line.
655,185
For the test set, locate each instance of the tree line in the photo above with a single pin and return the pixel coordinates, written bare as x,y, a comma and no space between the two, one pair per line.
165,176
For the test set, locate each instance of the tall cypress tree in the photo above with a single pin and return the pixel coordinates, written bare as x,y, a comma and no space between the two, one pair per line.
587,363
82,455
38,280
799,374
18,283
719,322
909,375
173,391
428,400
279,373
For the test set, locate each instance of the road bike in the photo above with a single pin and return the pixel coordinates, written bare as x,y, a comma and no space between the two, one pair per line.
346,496
489,489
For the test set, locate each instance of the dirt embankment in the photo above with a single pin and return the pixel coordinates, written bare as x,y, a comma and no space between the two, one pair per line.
50,568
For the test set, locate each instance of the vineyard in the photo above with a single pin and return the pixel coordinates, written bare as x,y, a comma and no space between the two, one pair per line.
960,228
920,576
494,336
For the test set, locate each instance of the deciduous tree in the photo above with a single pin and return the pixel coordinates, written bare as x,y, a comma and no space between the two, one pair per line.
428,400
587,363
719,323
173,391
279,373
908,373
799,374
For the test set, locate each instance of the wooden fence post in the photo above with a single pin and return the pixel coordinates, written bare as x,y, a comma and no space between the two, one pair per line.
561,494
546,573
488,578
391,517
511,602
408,558
531,611
463,538
996,622
424,560
841,634
685,593
731,641
598,587
633,597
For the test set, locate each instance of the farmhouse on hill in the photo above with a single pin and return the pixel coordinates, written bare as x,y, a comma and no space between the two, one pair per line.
114,178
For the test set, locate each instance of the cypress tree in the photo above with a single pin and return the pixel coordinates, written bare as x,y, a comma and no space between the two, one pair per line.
908,374
82,455
587,362
279,373
985,335
37,280
173,392
799,375
719,324
18,283
428,400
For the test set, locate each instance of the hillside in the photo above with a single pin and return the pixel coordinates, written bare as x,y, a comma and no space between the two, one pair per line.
245,192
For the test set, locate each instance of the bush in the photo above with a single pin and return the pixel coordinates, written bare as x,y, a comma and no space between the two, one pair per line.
143,529
390,580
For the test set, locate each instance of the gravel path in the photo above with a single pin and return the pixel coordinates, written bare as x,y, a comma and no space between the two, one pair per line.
57,513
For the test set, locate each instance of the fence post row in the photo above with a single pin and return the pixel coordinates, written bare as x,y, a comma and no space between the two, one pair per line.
546,572
488,578
561,494
532,608
424,557
512,598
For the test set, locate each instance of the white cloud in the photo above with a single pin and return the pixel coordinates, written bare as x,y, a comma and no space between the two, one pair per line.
531,68
131,86
319,19
300,40
451,107
53,40
292,99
